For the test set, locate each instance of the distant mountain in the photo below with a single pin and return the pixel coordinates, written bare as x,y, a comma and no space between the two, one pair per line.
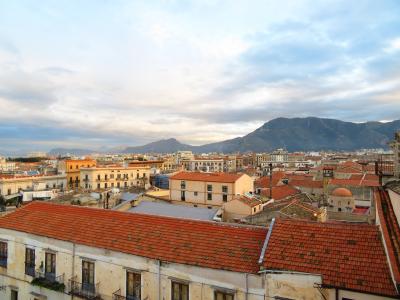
162,146
66,151
293,134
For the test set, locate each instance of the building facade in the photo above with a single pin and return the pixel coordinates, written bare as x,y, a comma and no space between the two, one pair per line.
395,145
72,167
98,178
12,185
208,189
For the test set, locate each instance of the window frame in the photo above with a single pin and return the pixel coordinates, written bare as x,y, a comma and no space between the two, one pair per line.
134,275
3,254
29,264
180,285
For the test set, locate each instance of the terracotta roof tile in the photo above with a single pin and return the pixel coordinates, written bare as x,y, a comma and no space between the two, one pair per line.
248,201
263,182
206,244
281,191
349,256
208,177
317,184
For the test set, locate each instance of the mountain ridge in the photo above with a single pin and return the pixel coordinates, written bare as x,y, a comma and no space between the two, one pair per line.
293,134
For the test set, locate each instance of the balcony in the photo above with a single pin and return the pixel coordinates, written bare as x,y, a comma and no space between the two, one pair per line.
84,290
117,296
48,280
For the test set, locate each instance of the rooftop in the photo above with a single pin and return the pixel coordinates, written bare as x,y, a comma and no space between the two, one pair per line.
207,177
200,243
171,210
344,257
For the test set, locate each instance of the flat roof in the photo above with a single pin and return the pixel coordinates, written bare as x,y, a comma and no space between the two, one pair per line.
173,210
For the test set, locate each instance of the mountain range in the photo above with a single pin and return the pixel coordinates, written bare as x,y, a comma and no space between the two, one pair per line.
293,134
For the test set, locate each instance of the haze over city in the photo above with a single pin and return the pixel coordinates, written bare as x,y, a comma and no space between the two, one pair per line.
106,73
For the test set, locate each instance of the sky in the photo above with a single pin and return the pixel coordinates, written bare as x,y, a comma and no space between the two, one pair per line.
105,73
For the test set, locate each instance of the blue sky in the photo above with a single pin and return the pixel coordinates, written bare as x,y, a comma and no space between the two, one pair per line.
106,73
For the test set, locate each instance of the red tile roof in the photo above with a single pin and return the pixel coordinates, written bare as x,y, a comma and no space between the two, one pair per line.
354,182
349,256
263,182
390,229
208,177
248,201
280,192
200,243
316,184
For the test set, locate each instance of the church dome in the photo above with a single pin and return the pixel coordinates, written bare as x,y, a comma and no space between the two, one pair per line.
342,192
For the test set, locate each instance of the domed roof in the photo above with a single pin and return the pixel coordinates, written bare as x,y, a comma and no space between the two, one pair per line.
342,192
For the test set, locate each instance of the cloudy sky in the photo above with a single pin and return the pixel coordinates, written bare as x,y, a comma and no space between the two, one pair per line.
105,73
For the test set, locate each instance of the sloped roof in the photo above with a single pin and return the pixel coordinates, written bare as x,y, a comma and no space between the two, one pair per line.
281,191
201,243
349,256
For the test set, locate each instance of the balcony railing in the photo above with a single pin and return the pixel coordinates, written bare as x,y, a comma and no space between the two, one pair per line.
117,296
84,290
49,280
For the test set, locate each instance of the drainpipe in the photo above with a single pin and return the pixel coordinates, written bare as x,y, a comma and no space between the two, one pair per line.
336,294
247,286
159,280
73,264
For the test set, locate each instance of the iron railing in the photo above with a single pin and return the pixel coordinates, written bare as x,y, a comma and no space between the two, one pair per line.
117,296
84,290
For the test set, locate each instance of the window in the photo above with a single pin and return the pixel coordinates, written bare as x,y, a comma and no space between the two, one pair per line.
9,192
14,295
224,189
209,187
137,175
219,295
133,285
179,291
88,276
98,185
183,196
112,176
195,193
30,261
225,197
209,196
183,185
3,254
98,177
105,185
50,266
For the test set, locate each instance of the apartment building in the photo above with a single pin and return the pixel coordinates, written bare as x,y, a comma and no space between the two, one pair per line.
204,165
72,167
11,185
395,145
208,189
97,178
58,252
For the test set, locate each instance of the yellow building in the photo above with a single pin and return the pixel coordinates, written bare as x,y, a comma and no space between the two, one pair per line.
97,178
72,167
208,189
